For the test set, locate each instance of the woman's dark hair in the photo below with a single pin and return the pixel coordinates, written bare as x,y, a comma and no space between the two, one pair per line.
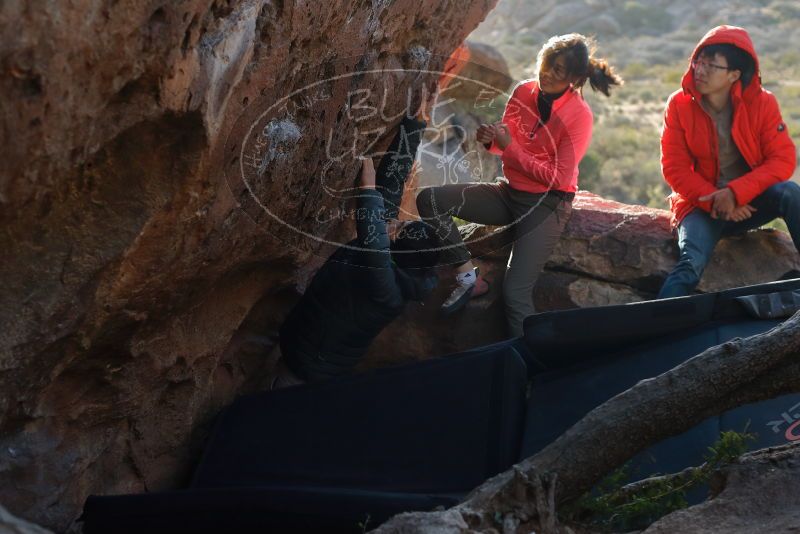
737,59
578,53
416,246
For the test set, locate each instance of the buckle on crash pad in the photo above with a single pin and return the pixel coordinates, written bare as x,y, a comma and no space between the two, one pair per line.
776,305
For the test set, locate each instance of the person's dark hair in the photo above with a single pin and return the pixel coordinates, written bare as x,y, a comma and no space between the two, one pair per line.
578,52
416,246
737,59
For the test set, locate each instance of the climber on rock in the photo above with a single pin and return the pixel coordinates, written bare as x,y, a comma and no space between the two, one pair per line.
362,287
726,153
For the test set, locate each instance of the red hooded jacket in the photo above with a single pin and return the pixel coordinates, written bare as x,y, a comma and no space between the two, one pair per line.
689,144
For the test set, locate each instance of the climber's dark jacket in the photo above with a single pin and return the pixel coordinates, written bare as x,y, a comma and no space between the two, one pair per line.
353,296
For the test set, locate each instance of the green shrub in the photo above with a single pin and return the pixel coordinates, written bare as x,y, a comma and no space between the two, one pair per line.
610,508
635,71
623,162
673,77
635,17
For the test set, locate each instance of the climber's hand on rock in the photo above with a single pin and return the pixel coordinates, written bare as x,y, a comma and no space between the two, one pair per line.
366,179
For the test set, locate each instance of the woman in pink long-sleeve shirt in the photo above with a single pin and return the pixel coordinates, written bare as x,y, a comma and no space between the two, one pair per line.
545,131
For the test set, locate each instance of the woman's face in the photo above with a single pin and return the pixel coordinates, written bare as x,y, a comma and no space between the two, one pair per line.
554,80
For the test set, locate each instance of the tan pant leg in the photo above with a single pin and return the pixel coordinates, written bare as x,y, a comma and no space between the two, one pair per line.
533,244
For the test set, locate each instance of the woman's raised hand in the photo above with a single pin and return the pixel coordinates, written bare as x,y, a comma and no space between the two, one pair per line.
502,135
485,133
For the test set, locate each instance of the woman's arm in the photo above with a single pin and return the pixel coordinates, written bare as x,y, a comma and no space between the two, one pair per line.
511,111
554,171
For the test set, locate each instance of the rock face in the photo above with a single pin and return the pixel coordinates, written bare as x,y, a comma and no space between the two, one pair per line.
450,152
172,175
610,253
171,172
483,76
10,524
757,494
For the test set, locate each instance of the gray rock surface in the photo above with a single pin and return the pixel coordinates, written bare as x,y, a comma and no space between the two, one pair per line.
10,524
756,495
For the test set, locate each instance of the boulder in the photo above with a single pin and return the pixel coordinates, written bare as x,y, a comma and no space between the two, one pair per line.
172,173
755,494
478,81
610,253
483,76
450,153
10,524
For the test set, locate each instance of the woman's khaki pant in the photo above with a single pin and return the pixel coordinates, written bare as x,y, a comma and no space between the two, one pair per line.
537,218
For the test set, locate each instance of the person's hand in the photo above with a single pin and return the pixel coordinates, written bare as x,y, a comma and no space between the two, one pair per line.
742,213
502,135
427,106
723,203
366,179
485,134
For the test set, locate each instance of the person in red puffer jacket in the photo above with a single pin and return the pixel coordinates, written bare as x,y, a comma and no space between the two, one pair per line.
545,131
726,153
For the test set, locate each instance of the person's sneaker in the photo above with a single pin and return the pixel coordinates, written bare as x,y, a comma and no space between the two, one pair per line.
458,298
468,285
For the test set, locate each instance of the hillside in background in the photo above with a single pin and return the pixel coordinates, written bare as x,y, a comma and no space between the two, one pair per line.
648,41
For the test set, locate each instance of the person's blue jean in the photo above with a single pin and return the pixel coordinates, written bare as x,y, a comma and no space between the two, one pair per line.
698,234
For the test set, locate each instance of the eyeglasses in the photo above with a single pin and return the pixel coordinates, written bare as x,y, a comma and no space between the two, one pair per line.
707,66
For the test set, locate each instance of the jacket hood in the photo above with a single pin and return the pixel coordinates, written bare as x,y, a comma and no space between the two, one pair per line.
737,37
